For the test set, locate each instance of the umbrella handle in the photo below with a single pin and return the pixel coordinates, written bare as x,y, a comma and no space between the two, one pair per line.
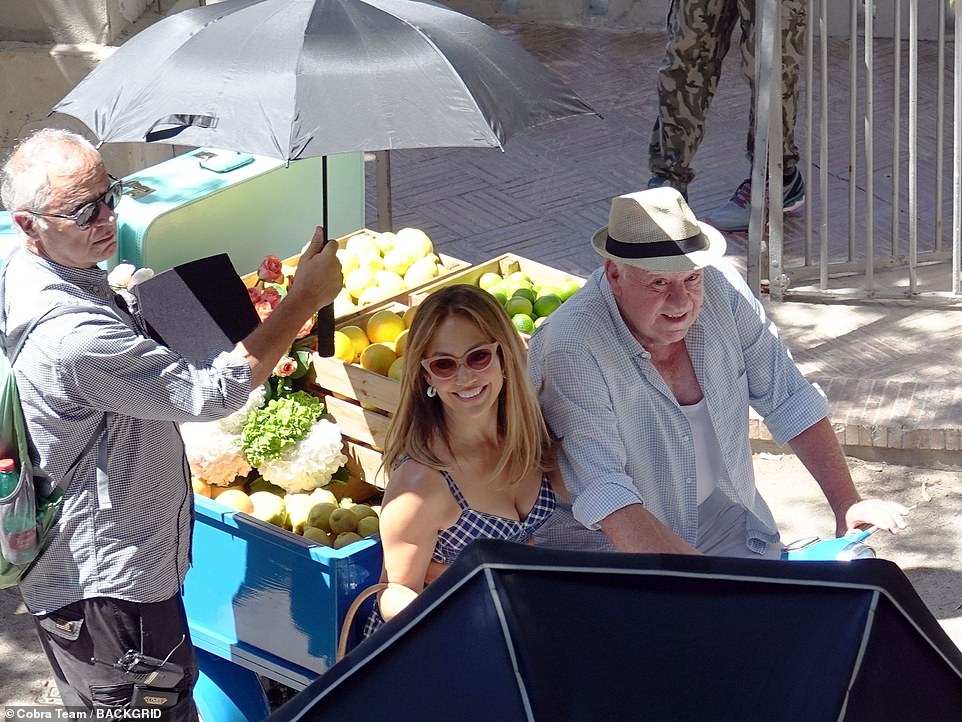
177,124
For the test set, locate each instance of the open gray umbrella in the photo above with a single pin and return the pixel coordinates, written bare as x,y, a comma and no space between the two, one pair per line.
304,78
300,78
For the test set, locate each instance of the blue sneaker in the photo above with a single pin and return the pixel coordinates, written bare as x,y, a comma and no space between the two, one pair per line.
660,181
733,216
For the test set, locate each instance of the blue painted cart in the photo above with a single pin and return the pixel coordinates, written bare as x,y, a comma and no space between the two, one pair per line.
263,601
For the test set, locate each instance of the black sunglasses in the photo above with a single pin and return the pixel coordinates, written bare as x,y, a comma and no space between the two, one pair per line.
86,214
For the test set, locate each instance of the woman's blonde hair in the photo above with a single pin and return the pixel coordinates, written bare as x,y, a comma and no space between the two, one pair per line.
420,419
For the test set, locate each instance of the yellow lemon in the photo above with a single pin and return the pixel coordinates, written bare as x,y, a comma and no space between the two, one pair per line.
401,342
344,347
371,261
390,281
409,316
396,369
362,244
236,499
372,295
384,241
358,338
420,272
384,325
414,241
357,280
201,487
378,358
398,261
348,260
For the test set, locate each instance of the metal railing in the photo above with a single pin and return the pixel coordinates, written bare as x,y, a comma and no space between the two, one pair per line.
874,226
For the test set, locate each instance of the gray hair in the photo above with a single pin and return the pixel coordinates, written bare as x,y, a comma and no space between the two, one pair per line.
24,179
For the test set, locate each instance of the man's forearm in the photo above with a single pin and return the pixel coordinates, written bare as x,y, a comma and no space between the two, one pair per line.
818,449
635,529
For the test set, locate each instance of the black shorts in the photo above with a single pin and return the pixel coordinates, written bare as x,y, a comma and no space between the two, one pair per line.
105,629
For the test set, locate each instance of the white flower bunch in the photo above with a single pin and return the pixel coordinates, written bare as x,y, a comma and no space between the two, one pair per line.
214,453
214,447
125,276
310,462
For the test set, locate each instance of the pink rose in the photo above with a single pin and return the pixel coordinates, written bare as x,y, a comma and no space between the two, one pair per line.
264,309
285,367
306,328
270,270
255,292
271,296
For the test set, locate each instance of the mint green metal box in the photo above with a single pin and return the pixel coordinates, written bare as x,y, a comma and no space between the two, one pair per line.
181,209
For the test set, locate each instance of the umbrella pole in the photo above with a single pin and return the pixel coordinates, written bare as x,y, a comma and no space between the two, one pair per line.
382,164
325,316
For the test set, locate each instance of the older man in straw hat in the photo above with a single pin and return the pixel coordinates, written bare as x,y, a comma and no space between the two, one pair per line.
646,376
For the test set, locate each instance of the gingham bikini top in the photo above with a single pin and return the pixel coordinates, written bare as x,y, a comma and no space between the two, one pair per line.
474,524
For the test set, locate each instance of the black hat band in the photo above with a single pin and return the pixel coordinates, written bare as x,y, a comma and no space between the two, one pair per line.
657,249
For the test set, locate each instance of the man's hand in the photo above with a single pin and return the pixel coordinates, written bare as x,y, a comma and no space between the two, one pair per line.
887,515
318,278
316,283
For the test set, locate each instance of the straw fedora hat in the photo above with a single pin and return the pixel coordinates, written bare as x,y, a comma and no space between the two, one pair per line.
655,229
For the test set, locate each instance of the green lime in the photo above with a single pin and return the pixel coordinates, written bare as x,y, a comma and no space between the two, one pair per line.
523,322
568,288
545,305
519,277
518,304
538,321
488,279
500,296
525,292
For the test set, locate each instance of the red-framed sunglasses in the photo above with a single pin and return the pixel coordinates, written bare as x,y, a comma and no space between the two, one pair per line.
476,359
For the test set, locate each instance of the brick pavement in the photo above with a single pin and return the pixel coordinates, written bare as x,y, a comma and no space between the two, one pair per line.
889,371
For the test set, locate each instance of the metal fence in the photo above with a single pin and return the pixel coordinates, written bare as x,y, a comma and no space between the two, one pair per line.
882,163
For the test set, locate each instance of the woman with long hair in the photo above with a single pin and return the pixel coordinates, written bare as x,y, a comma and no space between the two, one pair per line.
468,449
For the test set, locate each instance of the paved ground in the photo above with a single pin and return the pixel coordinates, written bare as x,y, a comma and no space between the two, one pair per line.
890,371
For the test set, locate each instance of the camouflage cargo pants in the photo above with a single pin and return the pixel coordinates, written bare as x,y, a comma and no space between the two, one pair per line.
699,36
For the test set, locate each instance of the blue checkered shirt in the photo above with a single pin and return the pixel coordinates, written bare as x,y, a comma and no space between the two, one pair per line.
624,438
125,527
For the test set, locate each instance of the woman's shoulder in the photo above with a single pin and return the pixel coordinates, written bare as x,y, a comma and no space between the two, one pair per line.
409,475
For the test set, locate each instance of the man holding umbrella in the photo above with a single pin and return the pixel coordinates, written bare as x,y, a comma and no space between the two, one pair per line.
102,402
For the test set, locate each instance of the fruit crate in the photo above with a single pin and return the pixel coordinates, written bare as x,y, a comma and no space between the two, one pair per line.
450,263
360,400
503,265
267,599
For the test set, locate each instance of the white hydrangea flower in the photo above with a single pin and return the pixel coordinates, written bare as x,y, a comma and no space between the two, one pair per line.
234,423
120,275
214,447
310,462
214,454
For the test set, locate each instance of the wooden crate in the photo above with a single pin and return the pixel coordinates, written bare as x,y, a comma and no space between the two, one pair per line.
504,264
350,382
450,263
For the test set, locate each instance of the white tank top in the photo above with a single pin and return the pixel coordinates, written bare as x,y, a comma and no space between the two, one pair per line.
708,465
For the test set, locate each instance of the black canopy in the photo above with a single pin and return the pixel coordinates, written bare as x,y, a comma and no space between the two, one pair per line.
512,632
